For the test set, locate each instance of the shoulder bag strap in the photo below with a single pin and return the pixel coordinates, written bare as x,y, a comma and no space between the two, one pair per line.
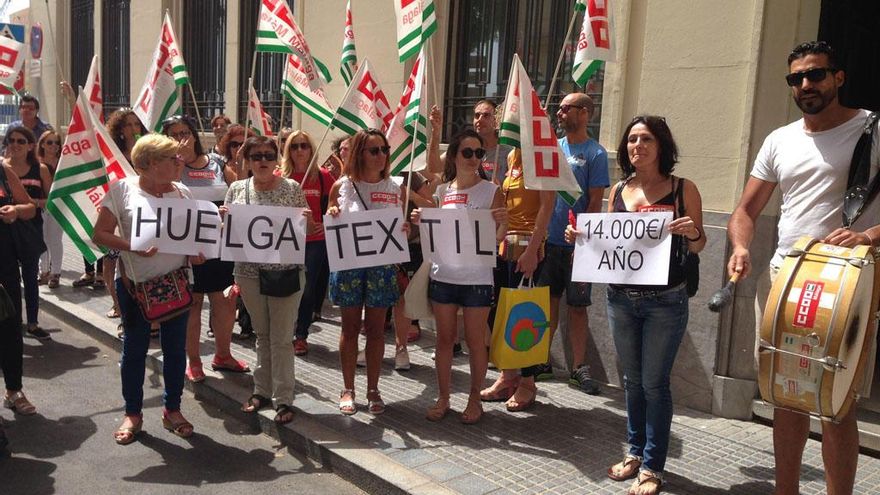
358,193
247,191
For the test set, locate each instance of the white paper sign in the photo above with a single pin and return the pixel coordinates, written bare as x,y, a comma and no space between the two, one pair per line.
176,226
623,248
458,237
264,234
365,238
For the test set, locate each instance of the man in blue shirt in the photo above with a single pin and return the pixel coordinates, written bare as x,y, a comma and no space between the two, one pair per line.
589,162
28,110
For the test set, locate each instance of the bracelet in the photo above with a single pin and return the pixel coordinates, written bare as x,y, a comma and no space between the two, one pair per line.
700,236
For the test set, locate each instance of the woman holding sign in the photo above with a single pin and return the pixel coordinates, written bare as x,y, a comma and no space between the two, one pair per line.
453,287
648,322
155,159
208,179
271,291
367,186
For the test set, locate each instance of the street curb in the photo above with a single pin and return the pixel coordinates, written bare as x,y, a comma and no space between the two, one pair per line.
352,460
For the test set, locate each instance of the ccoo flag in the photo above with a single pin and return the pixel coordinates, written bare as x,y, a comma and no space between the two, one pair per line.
416,22
409,121
158,98
526,125
89,162
295,88
349,55
364,105
277,32
595,43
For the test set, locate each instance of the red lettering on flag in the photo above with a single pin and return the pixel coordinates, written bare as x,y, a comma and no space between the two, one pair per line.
598,8
8,56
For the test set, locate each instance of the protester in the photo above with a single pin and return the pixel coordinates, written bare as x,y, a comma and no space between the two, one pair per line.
528,215
15,206
229,149
29,113
21,156
468,288
207,180
48,153
155,158
219,126
272,316
335,163
368,291
299,151
648,322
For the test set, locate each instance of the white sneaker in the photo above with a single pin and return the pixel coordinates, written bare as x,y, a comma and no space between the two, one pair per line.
362,359
401,359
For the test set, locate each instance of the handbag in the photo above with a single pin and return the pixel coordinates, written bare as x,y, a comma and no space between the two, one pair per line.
520,335
27,235
859,192
416,303
161,298
279,283
689,262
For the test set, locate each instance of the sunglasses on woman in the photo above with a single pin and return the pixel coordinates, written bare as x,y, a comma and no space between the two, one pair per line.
469,153
376,149
50,142
300,146
259,157
17,141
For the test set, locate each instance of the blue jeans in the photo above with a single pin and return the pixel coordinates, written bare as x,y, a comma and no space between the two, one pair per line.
317,278
647,330
136,343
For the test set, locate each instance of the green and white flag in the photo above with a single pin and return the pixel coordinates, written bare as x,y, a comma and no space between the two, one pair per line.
349,55
416,22
409,120
595,43
90,161
159,97
277,32
365,105
295,88
258,118
580,5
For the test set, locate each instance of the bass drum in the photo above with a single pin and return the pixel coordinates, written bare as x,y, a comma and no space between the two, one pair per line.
818,329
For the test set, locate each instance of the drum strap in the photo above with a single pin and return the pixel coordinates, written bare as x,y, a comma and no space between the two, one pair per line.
859,193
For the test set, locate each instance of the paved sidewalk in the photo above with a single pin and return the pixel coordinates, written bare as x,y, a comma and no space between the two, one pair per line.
563,445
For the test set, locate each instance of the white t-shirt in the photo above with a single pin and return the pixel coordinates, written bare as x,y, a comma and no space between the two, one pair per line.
811,169
123,194
377,195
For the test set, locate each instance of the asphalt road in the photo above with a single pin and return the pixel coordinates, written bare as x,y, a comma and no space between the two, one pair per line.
68,447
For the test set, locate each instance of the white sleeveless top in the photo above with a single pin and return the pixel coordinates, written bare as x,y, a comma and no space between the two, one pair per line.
382,194
478,197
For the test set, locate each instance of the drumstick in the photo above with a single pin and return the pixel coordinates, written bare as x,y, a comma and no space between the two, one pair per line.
723,296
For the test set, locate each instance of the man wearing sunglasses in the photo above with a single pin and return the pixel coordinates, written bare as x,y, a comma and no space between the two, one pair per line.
809,160
29,110
589,162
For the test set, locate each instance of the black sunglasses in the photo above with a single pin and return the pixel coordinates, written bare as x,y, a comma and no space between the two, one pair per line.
302,146
564,108
17,141
376,149
813,75
50,142
259,157
469,153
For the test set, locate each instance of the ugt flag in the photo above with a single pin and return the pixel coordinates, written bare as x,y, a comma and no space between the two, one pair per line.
408,126
348,64
89,162
277,32
416,22
93,91
258,117
595,43
158,98
364,105
527,126
12,55
296,89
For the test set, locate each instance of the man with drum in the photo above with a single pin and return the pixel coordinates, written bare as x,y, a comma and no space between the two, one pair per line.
809,160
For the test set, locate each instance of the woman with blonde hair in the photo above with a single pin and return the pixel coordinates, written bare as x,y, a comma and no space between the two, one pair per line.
48,153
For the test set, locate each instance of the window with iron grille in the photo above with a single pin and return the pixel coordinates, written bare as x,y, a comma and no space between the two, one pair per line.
204,50
269,69
115,54
82,40
482,43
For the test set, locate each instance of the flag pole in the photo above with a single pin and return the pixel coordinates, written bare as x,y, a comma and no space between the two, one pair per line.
58,65
196,107
327,130
430,55
281,120
561,57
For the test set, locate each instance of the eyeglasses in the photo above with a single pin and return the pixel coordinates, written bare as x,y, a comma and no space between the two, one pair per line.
813,75
17,141
261,157
469,153
300,146
50,142
564,108
376,149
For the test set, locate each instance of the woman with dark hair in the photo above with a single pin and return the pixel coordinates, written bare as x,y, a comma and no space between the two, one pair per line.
468,288
368,291
48,152
208,180
22,157
648,322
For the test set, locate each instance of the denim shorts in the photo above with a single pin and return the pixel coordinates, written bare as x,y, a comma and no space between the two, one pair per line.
556,273
373,287
467,296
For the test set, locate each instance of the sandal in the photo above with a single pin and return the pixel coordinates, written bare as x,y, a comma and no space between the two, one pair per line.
54,281
128,434
347,406
113,313
377,406
181,427
43,279
514,406
19,404
624,472
414,333
254,403
84,280
500,391
285,414
229,363
195,373
470,418
99,284
649,480
439,410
